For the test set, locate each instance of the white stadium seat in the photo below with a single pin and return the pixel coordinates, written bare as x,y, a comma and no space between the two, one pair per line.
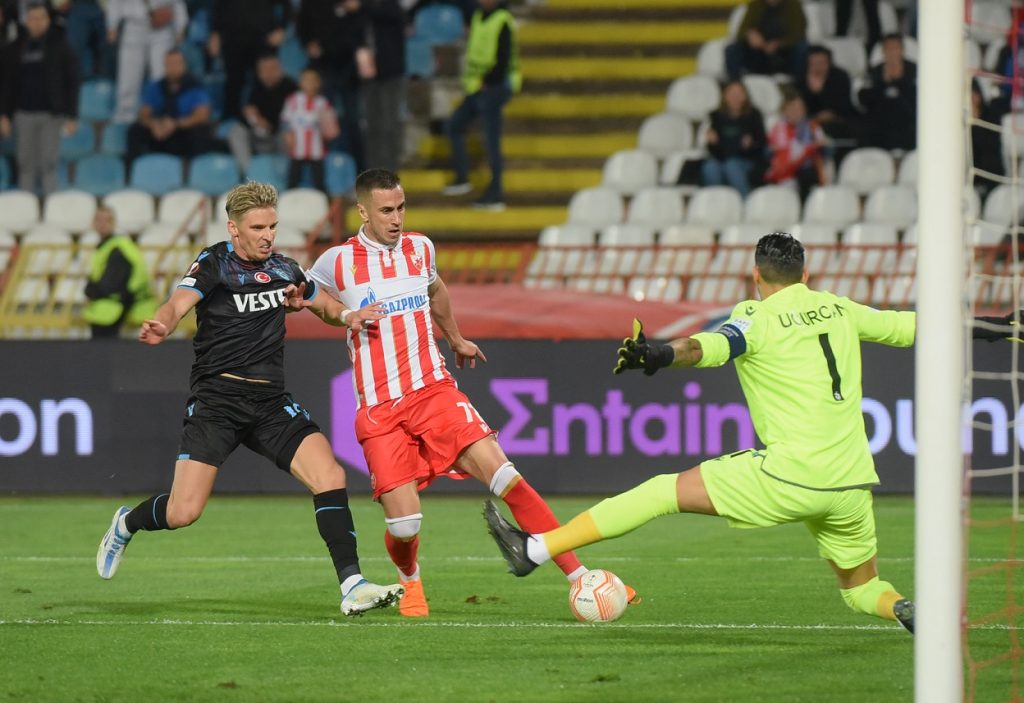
46,233
856,287
989,21
711,58
178,204
56,257
715,206
629,171
687,234
626,235
821,20
72,210
736,19
848,54
596,207
694,96
302,208
815,233
20,210
910,51
1004,205
1012,139
567,236
220,212
772,206
160,234
870,233
133,210
764,93
744,233
672,166
664,133
627,249
832,205
289,238
867,168
895,205
667,289
907,175
717,289
657,207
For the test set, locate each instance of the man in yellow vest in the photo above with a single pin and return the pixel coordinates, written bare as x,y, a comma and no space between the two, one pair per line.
490,77
118,284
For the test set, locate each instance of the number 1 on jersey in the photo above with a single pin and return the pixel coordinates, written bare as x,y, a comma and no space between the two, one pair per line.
833,370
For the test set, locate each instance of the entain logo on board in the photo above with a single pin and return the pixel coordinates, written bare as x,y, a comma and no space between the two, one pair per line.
45,426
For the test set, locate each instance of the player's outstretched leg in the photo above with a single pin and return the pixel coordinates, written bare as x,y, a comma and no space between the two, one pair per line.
402,542
865,593
113,544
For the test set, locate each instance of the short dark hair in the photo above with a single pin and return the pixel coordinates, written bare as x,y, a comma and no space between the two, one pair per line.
780,257
893,36
819,49
375,179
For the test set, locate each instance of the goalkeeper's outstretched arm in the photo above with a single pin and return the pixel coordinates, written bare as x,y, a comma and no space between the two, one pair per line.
637,353
991,328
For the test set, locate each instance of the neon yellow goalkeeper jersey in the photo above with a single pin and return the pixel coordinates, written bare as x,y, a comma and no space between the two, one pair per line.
798,359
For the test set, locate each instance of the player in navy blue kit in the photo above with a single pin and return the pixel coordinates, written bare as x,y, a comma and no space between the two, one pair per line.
241,291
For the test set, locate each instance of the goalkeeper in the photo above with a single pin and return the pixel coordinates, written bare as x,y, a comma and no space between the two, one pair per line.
797,354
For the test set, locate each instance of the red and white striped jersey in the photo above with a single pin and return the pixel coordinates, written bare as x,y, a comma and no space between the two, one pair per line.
303,117
397,354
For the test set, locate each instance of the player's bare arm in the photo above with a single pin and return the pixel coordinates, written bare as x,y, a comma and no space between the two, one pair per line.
330,310
443,316
168,315
637,353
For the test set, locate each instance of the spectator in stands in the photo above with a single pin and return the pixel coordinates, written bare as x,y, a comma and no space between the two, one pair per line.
118,284
736,141
40,100
143,34
261,130
381,65
86,32
466,7
242,30
332,32
771,39
796,148
890,100
489,79
844,13
986,147
825,89
309,122
175,114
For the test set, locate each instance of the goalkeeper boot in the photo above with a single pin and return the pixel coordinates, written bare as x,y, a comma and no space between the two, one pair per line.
414,602
112,546
903,609
511,540
367,596
632,597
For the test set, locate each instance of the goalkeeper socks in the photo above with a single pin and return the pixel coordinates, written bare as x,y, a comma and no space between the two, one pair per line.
334,520
403,554
617,515
149,515
875,597
531,512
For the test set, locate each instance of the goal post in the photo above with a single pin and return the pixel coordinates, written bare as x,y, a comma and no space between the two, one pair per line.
940,376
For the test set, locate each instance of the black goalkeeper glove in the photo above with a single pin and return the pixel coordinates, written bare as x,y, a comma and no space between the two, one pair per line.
1003,327
637,353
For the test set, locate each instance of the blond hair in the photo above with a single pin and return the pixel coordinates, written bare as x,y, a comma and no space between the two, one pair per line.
249,196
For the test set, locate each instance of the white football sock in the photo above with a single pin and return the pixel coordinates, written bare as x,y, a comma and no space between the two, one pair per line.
537,550
350,583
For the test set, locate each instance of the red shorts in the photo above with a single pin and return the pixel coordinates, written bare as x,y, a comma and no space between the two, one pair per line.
418,437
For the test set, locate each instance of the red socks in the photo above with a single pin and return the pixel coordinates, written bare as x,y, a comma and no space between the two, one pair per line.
403,554
534,516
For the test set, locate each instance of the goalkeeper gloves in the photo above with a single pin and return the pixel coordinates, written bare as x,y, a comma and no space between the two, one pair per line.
1007,327
637,353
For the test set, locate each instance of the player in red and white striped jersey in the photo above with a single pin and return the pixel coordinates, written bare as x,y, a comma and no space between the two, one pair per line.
413,423
309,121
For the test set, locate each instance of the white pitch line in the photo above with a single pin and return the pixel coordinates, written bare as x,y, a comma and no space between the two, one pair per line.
892,629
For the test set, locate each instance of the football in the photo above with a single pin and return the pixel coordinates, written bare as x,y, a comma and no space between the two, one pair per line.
597,596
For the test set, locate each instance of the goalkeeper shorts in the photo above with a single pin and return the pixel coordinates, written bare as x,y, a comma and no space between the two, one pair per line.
842,522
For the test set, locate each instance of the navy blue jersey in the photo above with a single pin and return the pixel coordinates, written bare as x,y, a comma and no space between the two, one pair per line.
241,313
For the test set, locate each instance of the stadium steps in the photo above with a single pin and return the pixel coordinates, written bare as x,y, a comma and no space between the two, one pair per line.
593,70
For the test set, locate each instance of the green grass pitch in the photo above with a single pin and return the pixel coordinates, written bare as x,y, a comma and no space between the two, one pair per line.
243,606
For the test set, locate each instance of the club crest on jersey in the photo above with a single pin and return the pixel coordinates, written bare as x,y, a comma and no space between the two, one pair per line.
417,261
261,277
193,268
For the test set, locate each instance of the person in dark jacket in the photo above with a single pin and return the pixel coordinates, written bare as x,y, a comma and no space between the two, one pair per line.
40,100
986,144
241,31
381,65
825,89
771,39
890,100
736,142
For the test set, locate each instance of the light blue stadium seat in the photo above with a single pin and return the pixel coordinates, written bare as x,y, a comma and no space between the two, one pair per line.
341,173
99,174
269,168
419,58
156,173
293,57
114,139
439,24
96,100
213,174
80,144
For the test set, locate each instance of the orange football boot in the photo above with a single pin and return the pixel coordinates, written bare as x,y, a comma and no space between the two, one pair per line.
632,598
414,602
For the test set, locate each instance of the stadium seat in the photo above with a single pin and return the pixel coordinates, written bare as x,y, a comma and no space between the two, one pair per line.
20,210
177,205
159,234
269,168
745,233
72,210
990,59
910,51
764,93
855,287
133,209
821,20
907,174
78,145
870,233
566,236
419,58
716,207
1003,205
687,234
910,235
736,19
99,174
812,234
629,171
693,97
672,166
895,205
595,207
550,266
156,174
626,249
626,235
848,54
114,139
302,208
832,205
292,56
56,257
711,59
867,168
439,24
70,291
340,173
289,238
1012,140
47,233
220,212
666,289
213,174
664,133
96,100
656,207
772,206
870,259
717,289
989,21
215,232
974,56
